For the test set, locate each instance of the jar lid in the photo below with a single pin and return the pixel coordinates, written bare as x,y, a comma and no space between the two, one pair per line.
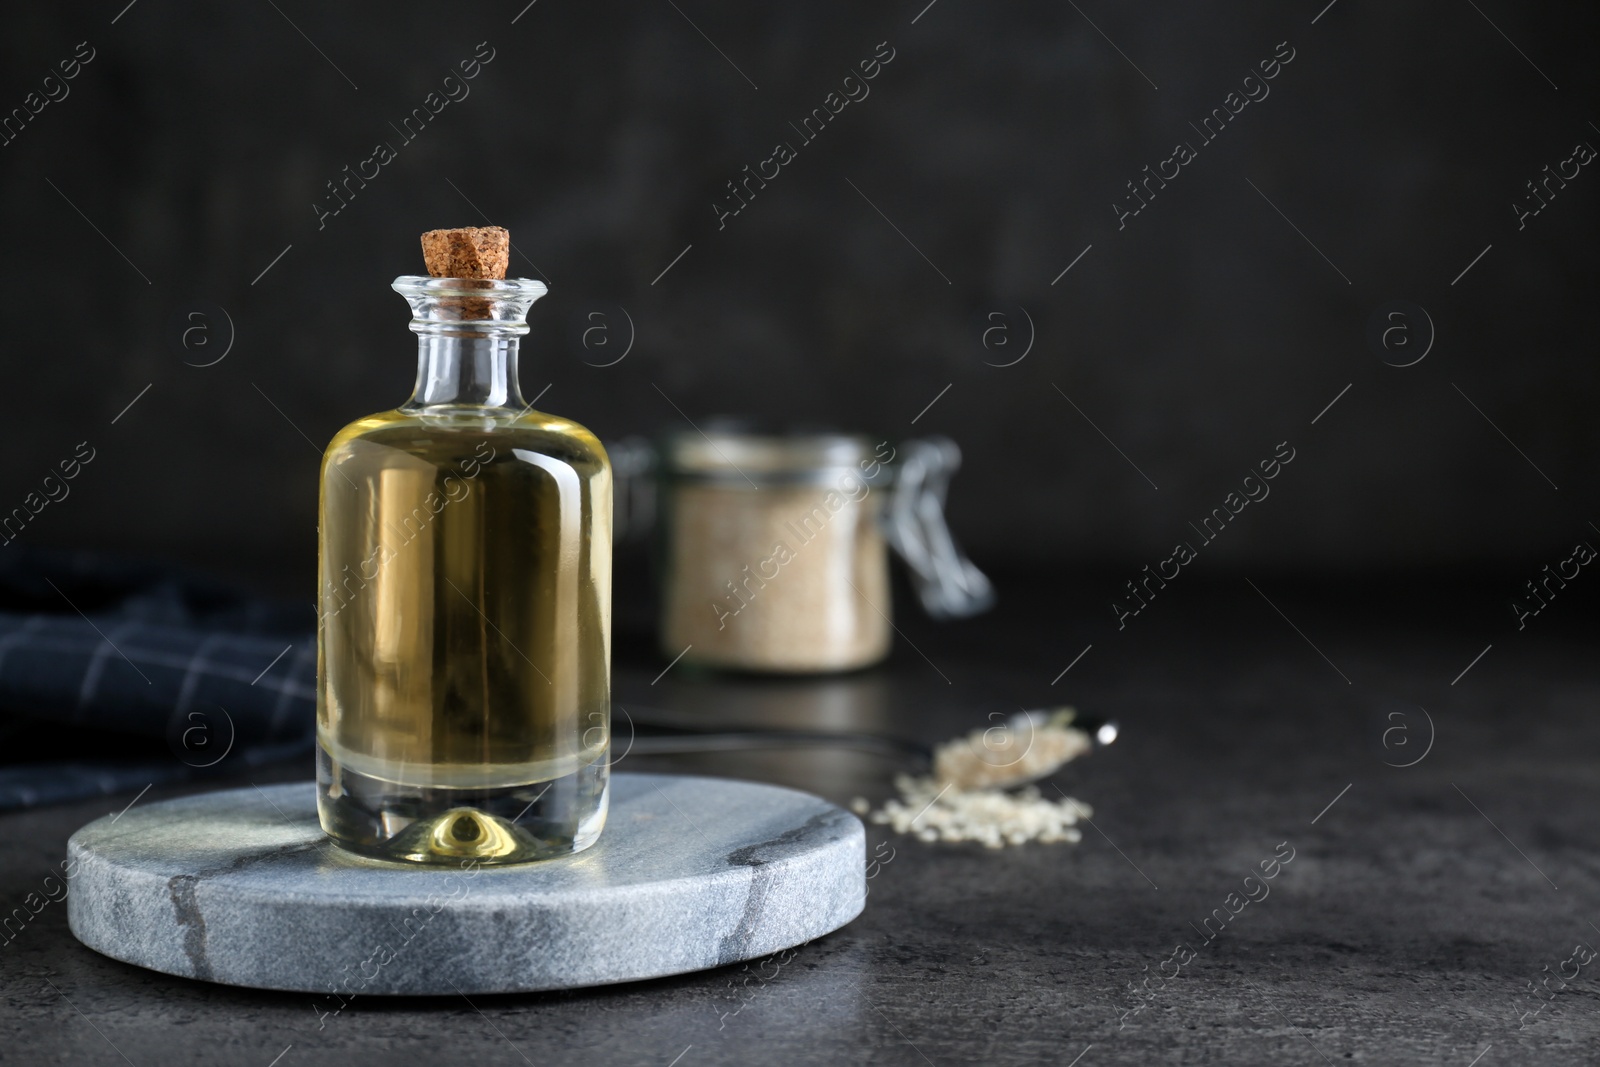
731,453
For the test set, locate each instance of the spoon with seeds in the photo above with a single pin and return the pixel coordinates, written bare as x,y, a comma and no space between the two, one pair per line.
1024,747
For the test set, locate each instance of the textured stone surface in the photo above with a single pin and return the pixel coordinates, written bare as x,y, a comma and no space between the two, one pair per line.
242,887
1406,931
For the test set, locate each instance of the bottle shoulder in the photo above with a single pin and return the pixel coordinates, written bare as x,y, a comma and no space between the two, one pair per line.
470,432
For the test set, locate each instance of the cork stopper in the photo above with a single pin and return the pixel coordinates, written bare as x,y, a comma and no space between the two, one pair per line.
471,253
467,252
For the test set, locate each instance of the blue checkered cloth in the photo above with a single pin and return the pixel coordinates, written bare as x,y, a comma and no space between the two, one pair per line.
115,676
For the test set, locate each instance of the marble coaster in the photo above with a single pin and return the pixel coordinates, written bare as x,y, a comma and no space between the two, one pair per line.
242,887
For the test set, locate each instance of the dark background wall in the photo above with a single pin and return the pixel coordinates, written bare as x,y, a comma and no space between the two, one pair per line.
1214,324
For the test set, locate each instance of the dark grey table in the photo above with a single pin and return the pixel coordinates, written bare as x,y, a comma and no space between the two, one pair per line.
1429,915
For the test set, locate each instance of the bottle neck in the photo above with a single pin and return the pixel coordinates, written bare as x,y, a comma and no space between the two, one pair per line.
468,330
466,371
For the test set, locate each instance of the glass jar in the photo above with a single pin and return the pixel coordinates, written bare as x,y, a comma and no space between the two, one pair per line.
773,548
464,640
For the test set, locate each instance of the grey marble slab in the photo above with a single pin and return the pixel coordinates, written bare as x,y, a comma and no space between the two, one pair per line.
243,888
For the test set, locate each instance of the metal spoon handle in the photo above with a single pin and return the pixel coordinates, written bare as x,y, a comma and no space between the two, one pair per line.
650,744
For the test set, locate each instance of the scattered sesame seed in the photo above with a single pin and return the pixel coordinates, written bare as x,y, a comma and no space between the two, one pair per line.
935,811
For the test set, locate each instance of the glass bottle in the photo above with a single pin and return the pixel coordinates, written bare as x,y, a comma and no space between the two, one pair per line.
464,620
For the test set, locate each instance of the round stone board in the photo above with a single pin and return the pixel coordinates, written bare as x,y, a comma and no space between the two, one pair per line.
242,887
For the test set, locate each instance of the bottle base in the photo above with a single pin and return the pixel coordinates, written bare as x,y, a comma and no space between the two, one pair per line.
442,825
